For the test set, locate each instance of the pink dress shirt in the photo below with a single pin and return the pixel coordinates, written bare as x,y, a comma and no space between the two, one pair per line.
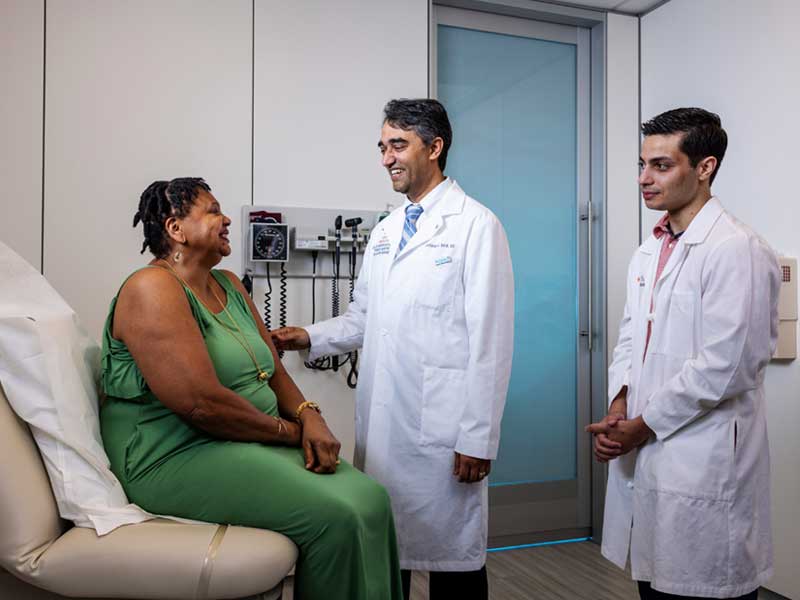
669,240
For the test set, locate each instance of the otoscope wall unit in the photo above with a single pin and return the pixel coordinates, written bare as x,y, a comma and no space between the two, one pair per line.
308,245
293,236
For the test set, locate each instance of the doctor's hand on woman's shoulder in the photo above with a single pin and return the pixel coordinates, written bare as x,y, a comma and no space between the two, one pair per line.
290,338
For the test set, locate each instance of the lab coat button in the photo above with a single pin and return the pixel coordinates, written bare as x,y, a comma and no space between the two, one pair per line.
630,485
384,331
651,316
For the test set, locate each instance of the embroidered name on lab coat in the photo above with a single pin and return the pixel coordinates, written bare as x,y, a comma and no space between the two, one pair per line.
382,247
640,280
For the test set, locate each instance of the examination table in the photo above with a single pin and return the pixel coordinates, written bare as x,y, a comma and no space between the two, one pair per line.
45,558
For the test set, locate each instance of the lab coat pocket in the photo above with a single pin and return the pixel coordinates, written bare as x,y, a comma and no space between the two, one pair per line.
436,288
443,394
677,332
697,462
681,540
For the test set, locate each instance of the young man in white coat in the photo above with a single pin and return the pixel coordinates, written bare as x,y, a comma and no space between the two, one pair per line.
686,433
434,312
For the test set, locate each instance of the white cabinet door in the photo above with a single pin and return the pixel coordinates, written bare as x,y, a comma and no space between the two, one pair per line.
323,72
21,64
135,92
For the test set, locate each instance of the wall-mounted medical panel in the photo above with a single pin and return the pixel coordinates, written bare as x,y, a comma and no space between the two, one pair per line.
319,247
294,235
137,92
787,310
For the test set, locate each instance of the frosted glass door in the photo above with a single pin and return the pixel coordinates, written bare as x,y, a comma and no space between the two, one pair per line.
514,101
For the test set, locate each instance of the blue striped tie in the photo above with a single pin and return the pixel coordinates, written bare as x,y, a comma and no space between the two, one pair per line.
413,211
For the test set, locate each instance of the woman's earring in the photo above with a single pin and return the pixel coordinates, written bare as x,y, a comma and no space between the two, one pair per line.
177,257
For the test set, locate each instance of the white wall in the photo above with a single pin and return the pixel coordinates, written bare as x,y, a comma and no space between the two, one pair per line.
21,70
323,72
738,58
137,91
622,151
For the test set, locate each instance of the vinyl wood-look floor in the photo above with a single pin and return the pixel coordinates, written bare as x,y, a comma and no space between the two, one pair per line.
574,571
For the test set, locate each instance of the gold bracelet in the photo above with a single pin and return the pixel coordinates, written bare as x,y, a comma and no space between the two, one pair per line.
305,405
281,425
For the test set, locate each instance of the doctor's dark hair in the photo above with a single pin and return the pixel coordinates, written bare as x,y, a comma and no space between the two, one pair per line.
160,201
428,119
703,133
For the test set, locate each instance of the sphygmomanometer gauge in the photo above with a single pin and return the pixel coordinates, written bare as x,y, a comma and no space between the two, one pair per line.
269,242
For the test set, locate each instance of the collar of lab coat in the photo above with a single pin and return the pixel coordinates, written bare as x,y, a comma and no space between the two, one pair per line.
451,203
701,225
698,229
431,198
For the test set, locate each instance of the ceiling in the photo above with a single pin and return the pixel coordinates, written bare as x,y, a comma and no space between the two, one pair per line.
631,7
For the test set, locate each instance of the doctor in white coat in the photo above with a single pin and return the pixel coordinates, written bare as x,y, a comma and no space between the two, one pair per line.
686,434
434,312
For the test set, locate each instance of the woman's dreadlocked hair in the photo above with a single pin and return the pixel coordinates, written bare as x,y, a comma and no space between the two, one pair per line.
160,201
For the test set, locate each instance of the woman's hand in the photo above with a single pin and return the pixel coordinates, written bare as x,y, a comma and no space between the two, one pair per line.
293,434
320,446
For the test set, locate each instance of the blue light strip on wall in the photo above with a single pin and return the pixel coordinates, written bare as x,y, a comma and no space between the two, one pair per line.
572,541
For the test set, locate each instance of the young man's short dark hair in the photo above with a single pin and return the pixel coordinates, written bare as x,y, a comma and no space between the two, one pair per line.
703,133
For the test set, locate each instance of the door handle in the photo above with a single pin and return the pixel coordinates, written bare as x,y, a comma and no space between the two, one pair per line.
589,331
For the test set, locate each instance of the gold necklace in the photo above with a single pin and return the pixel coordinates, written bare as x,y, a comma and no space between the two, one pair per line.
261,374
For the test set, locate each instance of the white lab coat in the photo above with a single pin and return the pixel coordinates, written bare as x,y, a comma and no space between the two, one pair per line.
436,323
693,504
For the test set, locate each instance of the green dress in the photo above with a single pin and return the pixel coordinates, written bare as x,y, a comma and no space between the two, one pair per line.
342,523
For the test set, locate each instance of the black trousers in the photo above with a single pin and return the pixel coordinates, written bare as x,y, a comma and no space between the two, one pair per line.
648,593
445,585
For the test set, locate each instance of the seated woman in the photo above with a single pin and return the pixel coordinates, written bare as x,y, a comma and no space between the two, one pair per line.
202,421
